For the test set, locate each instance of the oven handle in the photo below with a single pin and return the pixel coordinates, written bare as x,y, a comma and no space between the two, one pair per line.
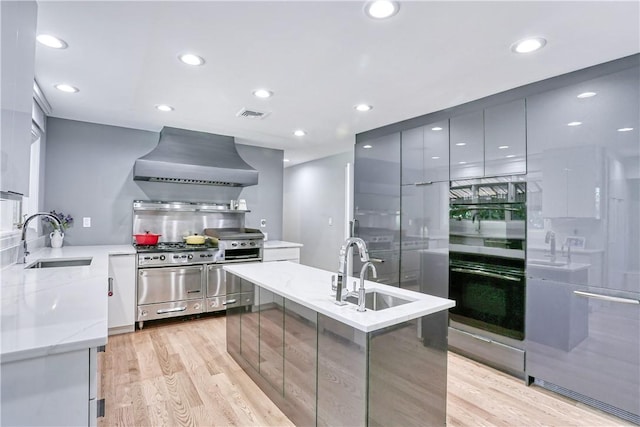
607,297
486,274
231,301
194,291
171,310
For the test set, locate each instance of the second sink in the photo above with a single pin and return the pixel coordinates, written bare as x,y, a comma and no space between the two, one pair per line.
48,263
377,301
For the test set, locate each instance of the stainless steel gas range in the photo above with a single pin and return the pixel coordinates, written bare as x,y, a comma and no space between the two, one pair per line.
176,279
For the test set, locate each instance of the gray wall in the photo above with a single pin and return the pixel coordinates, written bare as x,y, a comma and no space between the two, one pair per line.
313,193
88,173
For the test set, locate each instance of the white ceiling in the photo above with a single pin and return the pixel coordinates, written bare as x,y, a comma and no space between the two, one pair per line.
320,58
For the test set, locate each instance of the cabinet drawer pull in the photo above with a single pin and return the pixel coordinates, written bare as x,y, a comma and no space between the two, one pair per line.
607,297
110,288
420,184
194,291
231,301
171,310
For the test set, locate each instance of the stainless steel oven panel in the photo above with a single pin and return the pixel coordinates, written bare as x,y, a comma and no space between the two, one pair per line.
169,309
216,281
164,284
236,284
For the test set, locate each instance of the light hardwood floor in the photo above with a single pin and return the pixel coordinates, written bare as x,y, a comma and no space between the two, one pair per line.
179,374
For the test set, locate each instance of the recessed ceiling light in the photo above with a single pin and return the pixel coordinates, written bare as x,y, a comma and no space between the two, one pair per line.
462,163
435,157
164,107
528,45
436,128
363,107
191,59
625,129
262,93
285,160
381,9
587,94
503,147
67,88
461,144
367,146
510,156
51,41
574,123
299,132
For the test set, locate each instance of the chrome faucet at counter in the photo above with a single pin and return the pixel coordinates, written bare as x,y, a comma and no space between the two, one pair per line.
550,238
22,249
343,268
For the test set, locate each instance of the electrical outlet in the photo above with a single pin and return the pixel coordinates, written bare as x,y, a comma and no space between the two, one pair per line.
263,223
86,221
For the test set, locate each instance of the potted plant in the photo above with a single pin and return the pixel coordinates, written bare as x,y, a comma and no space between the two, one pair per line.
57,235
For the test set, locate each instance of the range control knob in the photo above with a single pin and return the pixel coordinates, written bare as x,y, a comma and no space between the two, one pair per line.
234,244
162,257
243,244
252,243
189,256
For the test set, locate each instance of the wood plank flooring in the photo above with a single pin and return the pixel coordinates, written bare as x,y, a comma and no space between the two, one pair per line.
179,374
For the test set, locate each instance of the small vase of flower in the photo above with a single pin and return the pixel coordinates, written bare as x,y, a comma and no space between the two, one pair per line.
57,235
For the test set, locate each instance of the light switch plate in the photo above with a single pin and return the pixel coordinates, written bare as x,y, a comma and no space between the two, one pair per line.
86,221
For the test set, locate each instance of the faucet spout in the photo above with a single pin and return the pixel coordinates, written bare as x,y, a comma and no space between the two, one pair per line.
22,248
343,267
550,238
363,274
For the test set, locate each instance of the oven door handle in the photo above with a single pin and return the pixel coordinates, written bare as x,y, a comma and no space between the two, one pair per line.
607,297
171,310
486,274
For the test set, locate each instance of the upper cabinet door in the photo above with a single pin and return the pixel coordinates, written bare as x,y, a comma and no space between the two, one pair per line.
467,146
505,147
425,154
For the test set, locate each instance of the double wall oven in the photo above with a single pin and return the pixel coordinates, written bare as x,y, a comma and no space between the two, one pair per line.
175,278
487,270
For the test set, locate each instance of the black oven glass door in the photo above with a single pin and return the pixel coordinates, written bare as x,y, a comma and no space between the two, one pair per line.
488,296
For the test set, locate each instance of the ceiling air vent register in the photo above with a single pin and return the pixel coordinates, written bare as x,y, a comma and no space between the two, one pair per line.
252,114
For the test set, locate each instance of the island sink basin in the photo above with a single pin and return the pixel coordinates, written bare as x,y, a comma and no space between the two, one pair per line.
546,262
49,263
377,301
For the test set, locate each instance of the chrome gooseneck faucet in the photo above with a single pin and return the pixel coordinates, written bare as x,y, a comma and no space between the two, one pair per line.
363,273
550,238
22,249
343,268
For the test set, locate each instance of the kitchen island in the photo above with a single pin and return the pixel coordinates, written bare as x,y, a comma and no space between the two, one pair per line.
325,364
53,321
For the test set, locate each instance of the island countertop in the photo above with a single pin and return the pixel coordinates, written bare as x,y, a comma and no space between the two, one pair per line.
55,310
311,288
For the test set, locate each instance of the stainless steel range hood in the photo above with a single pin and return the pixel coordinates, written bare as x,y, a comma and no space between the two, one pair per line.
190,157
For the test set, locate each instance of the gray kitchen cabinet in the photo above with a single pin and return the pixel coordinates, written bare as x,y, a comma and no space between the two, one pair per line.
377,203
424,227
489,142
272,338
122,293
18,58
583,321
505,139
586,340
425,153
466,145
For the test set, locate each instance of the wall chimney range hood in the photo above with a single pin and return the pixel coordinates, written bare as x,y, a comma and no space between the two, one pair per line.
190,157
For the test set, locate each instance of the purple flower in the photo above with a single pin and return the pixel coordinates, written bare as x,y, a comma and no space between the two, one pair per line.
65,220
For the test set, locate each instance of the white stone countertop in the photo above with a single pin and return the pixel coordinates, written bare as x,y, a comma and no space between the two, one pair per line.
279,244
559,265
311,288
55,310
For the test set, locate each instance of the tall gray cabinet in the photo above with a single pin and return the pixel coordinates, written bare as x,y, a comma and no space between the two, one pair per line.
583,304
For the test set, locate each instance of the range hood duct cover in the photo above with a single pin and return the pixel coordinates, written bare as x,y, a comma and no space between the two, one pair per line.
190,157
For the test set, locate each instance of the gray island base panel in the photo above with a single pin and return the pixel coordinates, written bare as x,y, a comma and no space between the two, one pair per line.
322,371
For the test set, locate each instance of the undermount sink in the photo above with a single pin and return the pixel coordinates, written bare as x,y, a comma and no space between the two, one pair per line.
546,262
377,301
49,263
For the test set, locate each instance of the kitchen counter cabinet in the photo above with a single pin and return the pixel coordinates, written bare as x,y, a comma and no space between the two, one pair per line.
278,250
324,364
122,300
53,320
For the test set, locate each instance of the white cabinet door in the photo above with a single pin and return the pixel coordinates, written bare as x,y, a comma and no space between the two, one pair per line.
18,56
281,254
122,300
